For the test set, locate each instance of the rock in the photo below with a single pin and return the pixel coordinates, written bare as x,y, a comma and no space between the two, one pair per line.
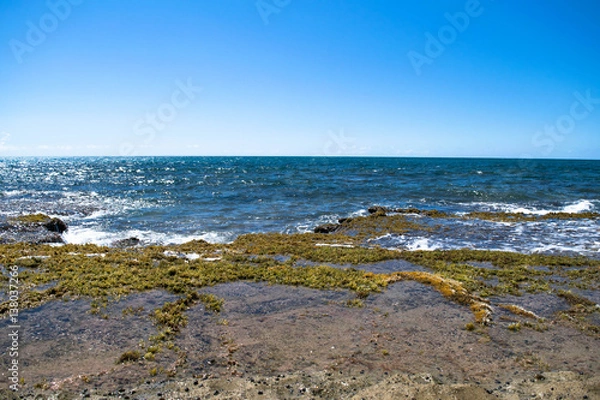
43,237
345,220
33,228
378,210
56,225
327,228
129,242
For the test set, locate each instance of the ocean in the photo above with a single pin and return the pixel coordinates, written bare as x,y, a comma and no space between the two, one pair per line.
164,200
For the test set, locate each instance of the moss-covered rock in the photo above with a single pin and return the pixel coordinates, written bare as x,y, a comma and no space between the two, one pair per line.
32,228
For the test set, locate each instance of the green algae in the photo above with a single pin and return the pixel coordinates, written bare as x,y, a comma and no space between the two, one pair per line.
312,247
487,215
514,272
521,217
379,224
355,303
576,300
31,218
99,272
129,356
104,274
579,313
515,326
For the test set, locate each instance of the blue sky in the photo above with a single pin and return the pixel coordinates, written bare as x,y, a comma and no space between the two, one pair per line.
299,77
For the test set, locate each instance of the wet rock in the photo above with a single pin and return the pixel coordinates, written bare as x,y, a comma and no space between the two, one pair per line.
129,242
56,225
327,228
11,237
378,210
34,229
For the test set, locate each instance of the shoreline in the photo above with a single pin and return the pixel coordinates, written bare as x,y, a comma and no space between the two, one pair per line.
319,304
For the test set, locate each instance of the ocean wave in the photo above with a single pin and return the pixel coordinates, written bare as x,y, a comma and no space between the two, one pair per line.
13,193
557,237
69,204
92,235
576,207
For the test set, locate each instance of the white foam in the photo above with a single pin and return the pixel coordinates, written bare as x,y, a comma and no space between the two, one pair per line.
529,211
214,237
12,193
97,214
422,244
349,246
360,213
86,235
577,207
577,236
76,235
504,207
557,248
580,206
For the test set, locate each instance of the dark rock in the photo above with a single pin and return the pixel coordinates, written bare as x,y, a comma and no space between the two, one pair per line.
30,237
378,210
129,242
34,229
49,237
345,220
327,228
5,227
56,225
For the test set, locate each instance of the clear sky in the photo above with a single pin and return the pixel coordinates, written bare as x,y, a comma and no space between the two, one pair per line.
486,78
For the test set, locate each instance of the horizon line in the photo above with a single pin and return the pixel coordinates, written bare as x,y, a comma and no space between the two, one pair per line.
309,156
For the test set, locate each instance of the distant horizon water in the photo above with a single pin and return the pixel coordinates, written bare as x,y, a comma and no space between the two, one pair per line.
522,159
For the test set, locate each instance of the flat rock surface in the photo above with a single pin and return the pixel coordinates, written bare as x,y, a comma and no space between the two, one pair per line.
273,342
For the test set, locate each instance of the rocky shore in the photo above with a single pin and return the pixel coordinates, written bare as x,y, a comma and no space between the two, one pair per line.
274,316
34,229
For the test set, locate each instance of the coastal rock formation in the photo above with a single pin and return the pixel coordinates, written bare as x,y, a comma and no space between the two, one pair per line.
327,228
379,210
340,227
129,242
56,225
34,229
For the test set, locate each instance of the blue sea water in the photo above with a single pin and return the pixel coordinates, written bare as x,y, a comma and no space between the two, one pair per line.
176,199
